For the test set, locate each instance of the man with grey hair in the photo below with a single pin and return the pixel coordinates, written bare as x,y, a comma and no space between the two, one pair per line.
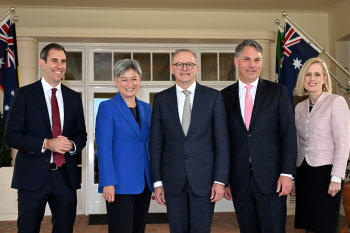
189,148
263,145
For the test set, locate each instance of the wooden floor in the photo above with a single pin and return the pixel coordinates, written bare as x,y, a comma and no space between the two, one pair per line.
222,223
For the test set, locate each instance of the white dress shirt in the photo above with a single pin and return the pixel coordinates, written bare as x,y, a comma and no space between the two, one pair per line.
181,98
48,93
242,91
180,107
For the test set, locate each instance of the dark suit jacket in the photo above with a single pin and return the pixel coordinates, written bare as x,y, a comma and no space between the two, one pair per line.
28,124
271,139
203,155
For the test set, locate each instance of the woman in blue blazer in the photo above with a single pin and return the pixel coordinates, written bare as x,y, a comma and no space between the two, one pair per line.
122,136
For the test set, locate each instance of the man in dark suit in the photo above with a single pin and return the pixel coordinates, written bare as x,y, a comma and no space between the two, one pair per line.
263,145
46,125
189,148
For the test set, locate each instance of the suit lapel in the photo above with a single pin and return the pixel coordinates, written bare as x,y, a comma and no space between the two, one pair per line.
66,108
38,93
144,119
172,100
126,113
236,104
197,106
258,102
318,103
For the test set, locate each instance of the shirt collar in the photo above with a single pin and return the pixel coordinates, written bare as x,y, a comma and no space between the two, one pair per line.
191,88
47,86
242,85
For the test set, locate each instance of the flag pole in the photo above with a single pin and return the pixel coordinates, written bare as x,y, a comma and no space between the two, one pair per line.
346,88
12,9
15,19
284,14
278,22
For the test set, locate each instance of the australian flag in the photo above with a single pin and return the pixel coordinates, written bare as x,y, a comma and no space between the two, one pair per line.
8,65
296,51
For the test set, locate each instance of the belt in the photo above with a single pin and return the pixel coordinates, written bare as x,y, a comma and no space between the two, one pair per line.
53,166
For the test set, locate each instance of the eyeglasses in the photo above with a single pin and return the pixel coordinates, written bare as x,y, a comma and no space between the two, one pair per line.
180,65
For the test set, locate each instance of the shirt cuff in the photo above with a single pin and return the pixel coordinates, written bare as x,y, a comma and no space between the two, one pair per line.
288,175
42,148
72,152
157,184
219,183
336,179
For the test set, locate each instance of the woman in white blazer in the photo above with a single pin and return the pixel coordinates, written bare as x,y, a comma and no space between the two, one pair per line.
323,132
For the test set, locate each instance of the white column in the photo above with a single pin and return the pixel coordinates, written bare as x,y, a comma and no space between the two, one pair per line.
28,60
27,48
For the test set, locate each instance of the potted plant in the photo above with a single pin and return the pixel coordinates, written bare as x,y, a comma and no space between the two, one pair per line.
5,152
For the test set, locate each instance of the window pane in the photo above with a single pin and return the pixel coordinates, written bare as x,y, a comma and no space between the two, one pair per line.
151,98
227,67
209,67
98,98
103,66
121,56
145,62
172,76
74,66
161,67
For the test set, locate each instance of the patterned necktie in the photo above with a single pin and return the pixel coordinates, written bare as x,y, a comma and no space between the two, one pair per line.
58,158
186,115
248,106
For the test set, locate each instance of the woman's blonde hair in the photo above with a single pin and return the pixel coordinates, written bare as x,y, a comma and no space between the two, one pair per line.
299,89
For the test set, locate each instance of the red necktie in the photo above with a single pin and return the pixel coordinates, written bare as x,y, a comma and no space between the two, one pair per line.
248,106
58,158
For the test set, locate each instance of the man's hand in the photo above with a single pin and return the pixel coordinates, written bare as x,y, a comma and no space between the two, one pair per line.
334,188
217,192
284,185
228,194
60,144
109,193
158,194
293,193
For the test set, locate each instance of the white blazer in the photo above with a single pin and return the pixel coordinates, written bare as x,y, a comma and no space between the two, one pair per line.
324,133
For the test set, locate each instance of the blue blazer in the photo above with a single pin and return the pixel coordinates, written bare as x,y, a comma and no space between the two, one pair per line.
122,148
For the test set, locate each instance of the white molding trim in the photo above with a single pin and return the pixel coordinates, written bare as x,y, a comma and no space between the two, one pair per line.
145,33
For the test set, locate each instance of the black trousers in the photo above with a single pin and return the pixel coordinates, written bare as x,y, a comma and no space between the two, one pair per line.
128,212
62,199
188,212
258,212
315,209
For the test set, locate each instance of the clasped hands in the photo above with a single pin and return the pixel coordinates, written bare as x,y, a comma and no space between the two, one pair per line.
61,144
